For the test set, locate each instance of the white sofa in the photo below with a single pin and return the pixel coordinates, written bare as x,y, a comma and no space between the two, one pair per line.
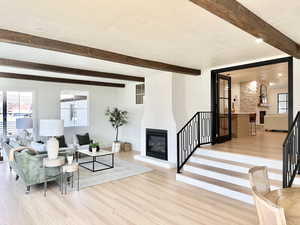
276,122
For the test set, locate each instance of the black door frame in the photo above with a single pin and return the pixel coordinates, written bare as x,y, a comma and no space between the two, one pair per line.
214,74
221,139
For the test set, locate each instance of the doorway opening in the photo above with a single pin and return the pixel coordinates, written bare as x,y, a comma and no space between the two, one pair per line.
252,107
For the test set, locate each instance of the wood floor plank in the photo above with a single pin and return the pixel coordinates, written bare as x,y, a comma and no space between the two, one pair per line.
153,198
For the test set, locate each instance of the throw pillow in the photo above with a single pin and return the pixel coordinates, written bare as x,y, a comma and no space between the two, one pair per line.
32,152
83,139
62,141
38,147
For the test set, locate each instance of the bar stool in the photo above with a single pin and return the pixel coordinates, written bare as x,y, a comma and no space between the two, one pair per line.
252,120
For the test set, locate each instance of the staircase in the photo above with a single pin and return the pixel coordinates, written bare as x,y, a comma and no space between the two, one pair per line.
227,173
291,153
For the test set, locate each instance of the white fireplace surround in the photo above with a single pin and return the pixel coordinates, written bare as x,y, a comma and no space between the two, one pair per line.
158,114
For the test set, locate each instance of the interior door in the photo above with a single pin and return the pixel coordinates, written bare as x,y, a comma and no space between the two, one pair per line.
223,108
1,115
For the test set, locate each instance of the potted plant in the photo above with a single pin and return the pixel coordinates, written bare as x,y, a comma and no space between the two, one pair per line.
117,118
94,147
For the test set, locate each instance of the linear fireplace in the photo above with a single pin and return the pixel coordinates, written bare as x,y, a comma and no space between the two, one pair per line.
157,143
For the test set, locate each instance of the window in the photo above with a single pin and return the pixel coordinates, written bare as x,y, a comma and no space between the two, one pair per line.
282,103
14,105
1,114
139,93
74,108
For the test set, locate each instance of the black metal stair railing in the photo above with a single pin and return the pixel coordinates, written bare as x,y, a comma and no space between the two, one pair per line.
291,151
195,133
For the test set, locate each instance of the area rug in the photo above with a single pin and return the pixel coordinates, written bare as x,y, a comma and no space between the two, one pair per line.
122,169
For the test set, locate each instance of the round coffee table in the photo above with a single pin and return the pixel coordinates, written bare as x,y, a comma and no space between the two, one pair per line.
289,200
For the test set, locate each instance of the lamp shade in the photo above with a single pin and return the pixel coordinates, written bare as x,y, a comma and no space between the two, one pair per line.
24,123
51,128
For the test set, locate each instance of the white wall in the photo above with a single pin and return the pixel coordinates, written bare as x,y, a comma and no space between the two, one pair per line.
296,85
272,98
188,95
198,88
131,131
158,110
173,97
194,92
46,105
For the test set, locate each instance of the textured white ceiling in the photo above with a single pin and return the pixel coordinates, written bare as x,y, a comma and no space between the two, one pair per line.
61,59
171,31
283,15
277,74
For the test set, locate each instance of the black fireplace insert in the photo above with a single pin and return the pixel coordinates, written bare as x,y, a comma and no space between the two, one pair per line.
157,143
262,117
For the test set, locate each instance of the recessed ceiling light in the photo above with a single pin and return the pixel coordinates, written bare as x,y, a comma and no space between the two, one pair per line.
279,74
271,84
259,40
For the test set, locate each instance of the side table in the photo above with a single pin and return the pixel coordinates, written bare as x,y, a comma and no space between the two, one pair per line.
70,169
51,163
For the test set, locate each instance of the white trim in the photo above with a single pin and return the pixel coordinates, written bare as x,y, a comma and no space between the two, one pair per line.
256,161
240,169
156,162
221,177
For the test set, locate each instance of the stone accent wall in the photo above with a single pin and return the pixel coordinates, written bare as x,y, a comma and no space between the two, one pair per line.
249,95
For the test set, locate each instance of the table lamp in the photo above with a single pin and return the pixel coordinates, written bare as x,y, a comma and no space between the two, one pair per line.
52,129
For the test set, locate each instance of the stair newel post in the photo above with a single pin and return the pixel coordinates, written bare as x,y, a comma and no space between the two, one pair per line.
285,165
291,153
298,143
198,129
178,154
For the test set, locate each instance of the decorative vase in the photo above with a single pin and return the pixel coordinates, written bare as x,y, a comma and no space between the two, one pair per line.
116,146
94,150
70,159
52,148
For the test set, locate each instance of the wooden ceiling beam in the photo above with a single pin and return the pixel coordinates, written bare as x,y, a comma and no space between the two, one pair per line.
18,38
59,80
235,13
66,70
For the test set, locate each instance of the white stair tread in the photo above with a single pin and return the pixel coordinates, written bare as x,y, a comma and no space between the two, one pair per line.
236,168
220,176
216,189
255,161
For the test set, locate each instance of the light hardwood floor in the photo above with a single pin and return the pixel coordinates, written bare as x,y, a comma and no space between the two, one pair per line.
151,198
264,144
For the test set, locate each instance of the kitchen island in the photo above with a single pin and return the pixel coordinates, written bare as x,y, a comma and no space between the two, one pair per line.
240,123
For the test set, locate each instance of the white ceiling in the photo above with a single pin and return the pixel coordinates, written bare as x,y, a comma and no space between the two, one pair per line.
172,31
24,53
275,75
283,15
